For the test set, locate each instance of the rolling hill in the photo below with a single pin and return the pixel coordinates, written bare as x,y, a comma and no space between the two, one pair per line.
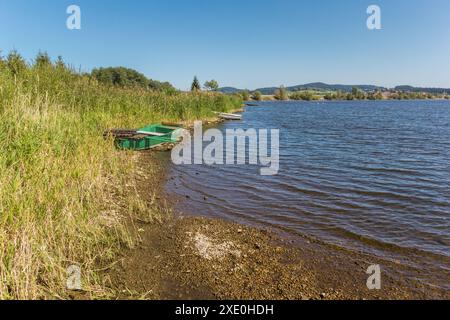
320,86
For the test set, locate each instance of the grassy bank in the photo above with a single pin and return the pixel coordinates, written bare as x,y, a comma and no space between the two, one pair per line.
58,177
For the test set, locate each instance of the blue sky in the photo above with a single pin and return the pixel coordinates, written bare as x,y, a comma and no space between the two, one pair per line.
246,43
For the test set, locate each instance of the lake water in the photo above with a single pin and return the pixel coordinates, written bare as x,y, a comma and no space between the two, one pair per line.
371,176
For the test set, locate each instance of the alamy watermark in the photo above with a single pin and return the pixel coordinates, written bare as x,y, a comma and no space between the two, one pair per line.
73,281
236,146
374,280
374,20
73,22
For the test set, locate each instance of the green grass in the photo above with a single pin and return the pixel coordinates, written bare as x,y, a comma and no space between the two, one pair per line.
59,178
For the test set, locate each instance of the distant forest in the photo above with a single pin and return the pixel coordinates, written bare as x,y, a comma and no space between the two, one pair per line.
319,86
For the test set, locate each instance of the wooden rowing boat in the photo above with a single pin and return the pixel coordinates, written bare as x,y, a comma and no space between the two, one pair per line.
146,138
229,116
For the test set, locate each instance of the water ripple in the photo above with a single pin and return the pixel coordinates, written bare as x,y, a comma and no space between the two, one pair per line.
367,175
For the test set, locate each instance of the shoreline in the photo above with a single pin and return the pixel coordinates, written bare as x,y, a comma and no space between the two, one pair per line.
269,98
186,257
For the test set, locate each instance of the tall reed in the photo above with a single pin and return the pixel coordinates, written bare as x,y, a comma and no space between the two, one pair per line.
59,177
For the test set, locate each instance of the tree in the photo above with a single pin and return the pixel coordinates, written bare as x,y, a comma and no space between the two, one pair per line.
195,87
358,93
340,95
371,96
161,86
329,96
245,95
378,95
303,95
281,93
125,77
257,95
60,63
42,60
212,85
15,62
120,76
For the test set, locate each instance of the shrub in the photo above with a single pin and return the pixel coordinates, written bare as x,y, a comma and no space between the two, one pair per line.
245,95
303,95
281,93
257,95
212,85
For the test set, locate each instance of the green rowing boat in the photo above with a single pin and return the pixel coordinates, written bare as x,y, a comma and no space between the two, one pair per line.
146,138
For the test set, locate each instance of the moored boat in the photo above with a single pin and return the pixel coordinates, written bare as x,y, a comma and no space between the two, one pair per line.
230,116
146,138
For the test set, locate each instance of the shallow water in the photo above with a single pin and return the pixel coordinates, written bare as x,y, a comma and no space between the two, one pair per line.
371,176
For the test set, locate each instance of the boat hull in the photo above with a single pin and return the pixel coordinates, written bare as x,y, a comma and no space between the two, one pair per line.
150,137
230,116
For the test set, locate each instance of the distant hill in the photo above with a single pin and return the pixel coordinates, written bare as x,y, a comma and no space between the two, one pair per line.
320,86
267,91
228,90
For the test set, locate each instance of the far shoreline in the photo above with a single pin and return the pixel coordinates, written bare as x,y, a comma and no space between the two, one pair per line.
272,98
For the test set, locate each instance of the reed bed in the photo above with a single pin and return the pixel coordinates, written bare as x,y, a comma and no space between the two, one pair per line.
60,180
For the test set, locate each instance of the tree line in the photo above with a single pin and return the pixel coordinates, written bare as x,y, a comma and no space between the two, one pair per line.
356,94
112,76
126,77
211,85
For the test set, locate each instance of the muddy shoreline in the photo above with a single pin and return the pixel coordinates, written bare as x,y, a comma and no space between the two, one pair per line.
184,257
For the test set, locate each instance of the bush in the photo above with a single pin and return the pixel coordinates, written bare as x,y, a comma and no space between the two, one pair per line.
303,95
358,94
257,95
245,95
212,85
281,94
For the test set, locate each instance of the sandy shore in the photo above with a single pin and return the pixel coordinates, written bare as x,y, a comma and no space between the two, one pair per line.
183,257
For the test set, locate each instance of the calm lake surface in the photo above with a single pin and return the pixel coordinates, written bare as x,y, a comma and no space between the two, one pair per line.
369,176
